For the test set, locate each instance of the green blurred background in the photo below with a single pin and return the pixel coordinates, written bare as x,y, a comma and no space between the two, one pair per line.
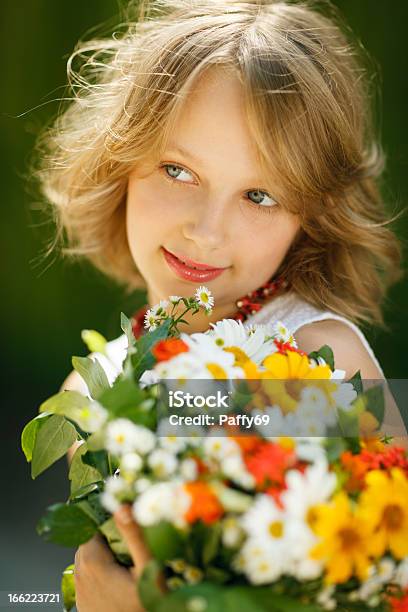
47,303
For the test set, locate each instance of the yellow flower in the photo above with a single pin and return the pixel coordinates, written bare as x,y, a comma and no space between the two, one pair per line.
293,365
240,356
345,540
384,507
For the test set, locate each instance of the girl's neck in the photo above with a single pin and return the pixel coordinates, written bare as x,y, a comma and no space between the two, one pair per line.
239,310
200,322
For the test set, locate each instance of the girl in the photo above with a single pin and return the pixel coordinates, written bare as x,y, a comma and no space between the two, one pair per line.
230,144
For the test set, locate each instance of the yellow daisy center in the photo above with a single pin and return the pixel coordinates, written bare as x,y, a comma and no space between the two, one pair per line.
240,355
311,517
276,529
393,516
216,370
349,538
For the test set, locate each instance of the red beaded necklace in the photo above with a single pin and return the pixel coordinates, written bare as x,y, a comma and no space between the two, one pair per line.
247,305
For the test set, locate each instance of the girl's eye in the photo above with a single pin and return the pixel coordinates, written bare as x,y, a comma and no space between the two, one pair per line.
259,199
173,172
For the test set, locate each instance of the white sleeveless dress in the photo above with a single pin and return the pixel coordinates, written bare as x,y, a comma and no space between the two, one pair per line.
290,308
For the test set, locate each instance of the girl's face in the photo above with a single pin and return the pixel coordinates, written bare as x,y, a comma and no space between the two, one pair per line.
205,201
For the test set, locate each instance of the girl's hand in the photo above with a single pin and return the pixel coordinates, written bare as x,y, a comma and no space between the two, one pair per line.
101,584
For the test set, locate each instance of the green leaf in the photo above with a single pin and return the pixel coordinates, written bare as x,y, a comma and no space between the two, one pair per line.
115,540
334,447
326,353
375,402
93,508
85,491
93,374
67,403
143,359
356,381
29,434
81,474
67,525
96,441
231,500
53,440
348,424
212,543
124,399
220,598
68,588
98,460
149,591
217,574
94,341
164,541
126,326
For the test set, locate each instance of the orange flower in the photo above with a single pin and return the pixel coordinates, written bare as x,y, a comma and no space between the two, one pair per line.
166,349
399,604
248,443
204,503
269,463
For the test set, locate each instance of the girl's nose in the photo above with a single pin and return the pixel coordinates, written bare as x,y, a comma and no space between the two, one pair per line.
207,225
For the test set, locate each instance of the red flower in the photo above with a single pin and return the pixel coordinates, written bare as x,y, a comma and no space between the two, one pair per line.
359,465
283,347
166,349
399,604
269,463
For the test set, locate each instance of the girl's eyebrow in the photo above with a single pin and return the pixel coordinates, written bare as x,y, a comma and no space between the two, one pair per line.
172,146
175,147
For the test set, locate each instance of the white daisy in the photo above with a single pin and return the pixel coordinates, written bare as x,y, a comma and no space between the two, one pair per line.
123,436
344,396
162,501
262,562
314,486
278,424
282,333
234,468
204,298
159,309
251,340
401,574
171,436
188,469
131,463
174,298
217,446
214,359
151,321
162,463
114,487
142,484
232,532
265,520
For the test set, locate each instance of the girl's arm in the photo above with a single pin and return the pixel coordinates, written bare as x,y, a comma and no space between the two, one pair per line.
351,355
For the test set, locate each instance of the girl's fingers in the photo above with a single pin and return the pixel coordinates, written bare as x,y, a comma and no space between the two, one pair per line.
93,553
133,537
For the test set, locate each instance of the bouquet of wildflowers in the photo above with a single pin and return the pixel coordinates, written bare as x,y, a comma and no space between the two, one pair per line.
256,472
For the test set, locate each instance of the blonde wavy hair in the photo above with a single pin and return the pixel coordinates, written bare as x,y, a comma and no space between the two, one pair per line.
309,103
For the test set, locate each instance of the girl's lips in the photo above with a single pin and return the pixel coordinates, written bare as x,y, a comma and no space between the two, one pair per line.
188,273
